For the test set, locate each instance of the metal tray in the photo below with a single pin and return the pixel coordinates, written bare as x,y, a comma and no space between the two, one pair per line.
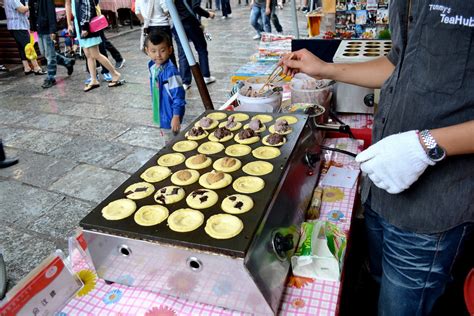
198,239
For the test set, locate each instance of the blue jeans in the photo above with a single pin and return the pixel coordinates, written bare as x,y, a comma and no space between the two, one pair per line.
195,34
218,5
259,13
46,47
412,269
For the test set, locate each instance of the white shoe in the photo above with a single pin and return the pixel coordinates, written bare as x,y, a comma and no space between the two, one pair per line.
224,18
229,15
209,80
186,86
256,37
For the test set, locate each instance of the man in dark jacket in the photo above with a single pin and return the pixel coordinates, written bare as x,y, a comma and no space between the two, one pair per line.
43,20
188,11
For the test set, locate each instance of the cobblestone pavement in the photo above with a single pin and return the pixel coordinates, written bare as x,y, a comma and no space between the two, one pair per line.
76,148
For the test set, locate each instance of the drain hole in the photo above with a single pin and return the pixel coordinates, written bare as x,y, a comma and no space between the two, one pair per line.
194,264
125,251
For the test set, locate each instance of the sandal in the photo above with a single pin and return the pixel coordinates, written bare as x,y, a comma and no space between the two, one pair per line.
29,72
116,83
90,87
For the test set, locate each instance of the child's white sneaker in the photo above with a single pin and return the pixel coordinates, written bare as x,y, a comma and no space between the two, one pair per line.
256,37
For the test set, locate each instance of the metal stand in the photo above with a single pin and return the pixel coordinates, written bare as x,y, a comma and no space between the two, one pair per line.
295,19
195,70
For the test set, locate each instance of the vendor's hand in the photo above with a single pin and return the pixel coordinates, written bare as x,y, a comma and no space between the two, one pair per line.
303,61
84,34
396,162
212,14
175,124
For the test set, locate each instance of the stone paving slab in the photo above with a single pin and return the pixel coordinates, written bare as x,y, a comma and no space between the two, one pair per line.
83,109
23,204
141,136
135,160
9,117
102,129
89,183
24,103
62,220
36,169
92,151
39,141
47,121
22,251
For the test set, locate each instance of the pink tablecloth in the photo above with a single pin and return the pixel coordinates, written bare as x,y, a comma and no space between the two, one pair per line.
114,5
302,296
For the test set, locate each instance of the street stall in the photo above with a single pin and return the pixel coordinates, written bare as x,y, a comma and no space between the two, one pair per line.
244,212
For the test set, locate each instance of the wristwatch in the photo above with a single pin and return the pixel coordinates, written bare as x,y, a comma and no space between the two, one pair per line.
434,151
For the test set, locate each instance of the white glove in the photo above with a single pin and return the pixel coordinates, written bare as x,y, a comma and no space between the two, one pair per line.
395,162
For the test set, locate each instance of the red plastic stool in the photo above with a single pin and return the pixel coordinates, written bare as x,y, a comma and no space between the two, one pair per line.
469,292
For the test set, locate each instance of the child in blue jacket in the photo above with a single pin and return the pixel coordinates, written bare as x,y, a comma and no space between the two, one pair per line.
167,92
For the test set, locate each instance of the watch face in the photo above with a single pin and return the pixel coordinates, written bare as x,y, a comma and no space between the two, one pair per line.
436,154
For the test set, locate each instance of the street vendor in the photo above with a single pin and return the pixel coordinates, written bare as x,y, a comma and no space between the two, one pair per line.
419,185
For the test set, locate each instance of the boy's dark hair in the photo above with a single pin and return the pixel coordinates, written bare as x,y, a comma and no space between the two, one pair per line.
157,37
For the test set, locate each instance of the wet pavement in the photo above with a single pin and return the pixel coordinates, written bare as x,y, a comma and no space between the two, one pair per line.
76,148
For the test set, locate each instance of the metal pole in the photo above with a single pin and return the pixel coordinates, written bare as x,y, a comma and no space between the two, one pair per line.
195,70
295,19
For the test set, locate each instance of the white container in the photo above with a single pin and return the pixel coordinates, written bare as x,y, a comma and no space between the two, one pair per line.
303,90
271,103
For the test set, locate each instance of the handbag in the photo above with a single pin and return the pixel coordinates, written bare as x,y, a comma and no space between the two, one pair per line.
146,23
99,22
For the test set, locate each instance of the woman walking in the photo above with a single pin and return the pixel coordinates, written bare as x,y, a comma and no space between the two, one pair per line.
19,26
83,12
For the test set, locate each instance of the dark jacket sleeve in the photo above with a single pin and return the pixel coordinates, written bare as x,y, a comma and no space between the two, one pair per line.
196,6
51,16
85,14
33,7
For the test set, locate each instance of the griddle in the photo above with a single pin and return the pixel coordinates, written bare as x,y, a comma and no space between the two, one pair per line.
198,239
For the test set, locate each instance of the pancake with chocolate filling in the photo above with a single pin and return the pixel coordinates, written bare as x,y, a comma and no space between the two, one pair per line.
248,184
264,118
246,136
256,125
238,150
209,148
227,164
231,124
139,190
239,117
185,177
215,180
155,174
185,145
150,215
218,116
170,160
221,135
274,140
196,133
198,161
223,226
119,209
185,220
168,195
202,198
258,168
281,127
237,204
266,152
207,123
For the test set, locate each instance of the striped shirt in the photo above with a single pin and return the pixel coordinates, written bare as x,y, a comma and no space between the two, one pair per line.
15,19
